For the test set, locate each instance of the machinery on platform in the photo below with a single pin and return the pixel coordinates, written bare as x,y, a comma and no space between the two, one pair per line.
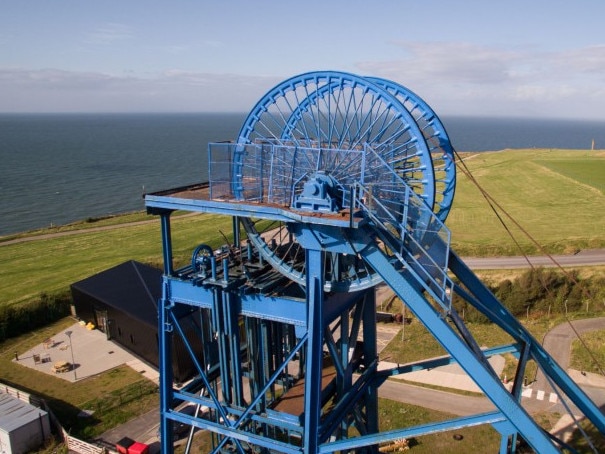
336,183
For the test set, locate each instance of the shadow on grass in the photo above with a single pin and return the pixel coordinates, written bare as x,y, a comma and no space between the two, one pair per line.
583,443
62,413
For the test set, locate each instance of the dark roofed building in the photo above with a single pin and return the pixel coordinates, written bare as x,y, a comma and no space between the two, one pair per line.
122,302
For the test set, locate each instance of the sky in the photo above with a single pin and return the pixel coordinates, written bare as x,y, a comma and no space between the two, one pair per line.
511,58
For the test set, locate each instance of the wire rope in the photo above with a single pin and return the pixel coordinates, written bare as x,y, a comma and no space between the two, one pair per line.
493,205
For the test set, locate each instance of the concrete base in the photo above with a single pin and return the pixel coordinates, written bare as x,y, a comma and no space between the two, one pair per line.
92,355
450,376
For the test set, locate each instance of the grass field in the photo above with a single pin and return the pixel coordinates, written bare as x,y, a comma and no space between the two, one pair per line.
99,393
49,265
580,357
556,195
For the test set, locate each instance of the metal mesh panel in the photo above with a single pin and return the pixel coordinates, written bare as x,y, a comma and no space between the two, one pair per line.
398,209
220,164
273,173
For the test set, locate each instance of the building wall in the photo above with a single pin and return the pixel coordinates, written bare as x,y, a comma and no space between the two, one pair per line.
136,336
23,427
31,436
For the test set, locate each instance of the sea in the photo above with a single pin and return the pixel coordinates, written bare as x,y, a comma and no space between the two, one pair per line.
60,168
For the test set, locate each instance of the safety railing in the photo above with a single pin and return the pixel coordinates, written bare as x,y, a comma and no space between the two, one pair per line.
274,173
407,226
271,172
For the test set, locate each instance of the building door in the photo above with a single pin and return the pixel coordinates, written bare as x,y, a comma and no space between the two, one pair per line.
101,317
111,327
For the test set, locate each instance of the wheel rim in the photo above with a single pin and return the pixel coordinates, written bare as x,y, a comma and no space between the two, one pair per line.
436,137
333,110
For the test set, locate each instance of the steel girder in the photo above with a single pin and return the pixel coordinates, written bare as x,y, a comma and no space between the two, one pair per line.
241,400
377,162
311,319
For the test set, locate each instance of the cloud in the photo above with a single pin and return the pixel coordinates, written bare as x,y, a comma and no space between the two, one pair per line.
454,78
588,61
110,33
469,79
53,90
447,62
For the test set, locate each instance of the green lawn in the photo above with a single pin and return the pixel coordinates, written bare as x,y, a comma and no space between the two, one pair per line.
581,359
590,172
50,265
99,393
555,195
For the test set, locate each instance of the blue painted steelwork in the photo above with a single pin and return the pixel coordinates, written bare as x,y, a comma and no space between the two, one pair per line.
475,366
332,110
314,360
488,304
329,109
436,137
288,314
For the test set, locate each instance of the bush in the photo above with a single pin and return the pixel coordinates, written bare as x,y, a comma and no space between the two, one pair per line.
540,290
23,318
467,311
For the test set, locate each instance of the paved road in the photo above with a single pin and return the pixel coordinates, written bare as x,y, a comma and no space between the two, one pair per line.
557,343
455,404
143,429
46,236
583,258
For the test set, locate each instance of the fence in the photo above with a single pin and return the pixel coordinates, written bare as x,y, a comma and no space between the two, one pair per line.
74,444
71,443
25,397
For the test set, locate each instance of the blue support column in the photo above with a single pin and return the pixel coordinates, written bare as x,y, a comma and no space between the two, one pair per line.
313,367
232,325
445,335
236,230
166,374
166,243
370,354
266,353
251,337
223,343
165,339
166,377
345,382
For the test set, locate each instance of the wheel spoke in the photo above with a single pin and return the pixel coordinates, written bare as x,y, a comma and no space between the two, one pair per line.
330,117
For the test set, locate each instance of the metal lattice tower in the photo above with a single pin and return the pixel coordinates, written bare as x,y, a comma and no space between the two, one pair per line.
336,183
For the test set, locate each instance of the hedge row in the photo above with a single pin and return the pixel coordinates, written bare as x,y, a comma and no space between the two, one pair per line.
22,318
535,291
543,291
